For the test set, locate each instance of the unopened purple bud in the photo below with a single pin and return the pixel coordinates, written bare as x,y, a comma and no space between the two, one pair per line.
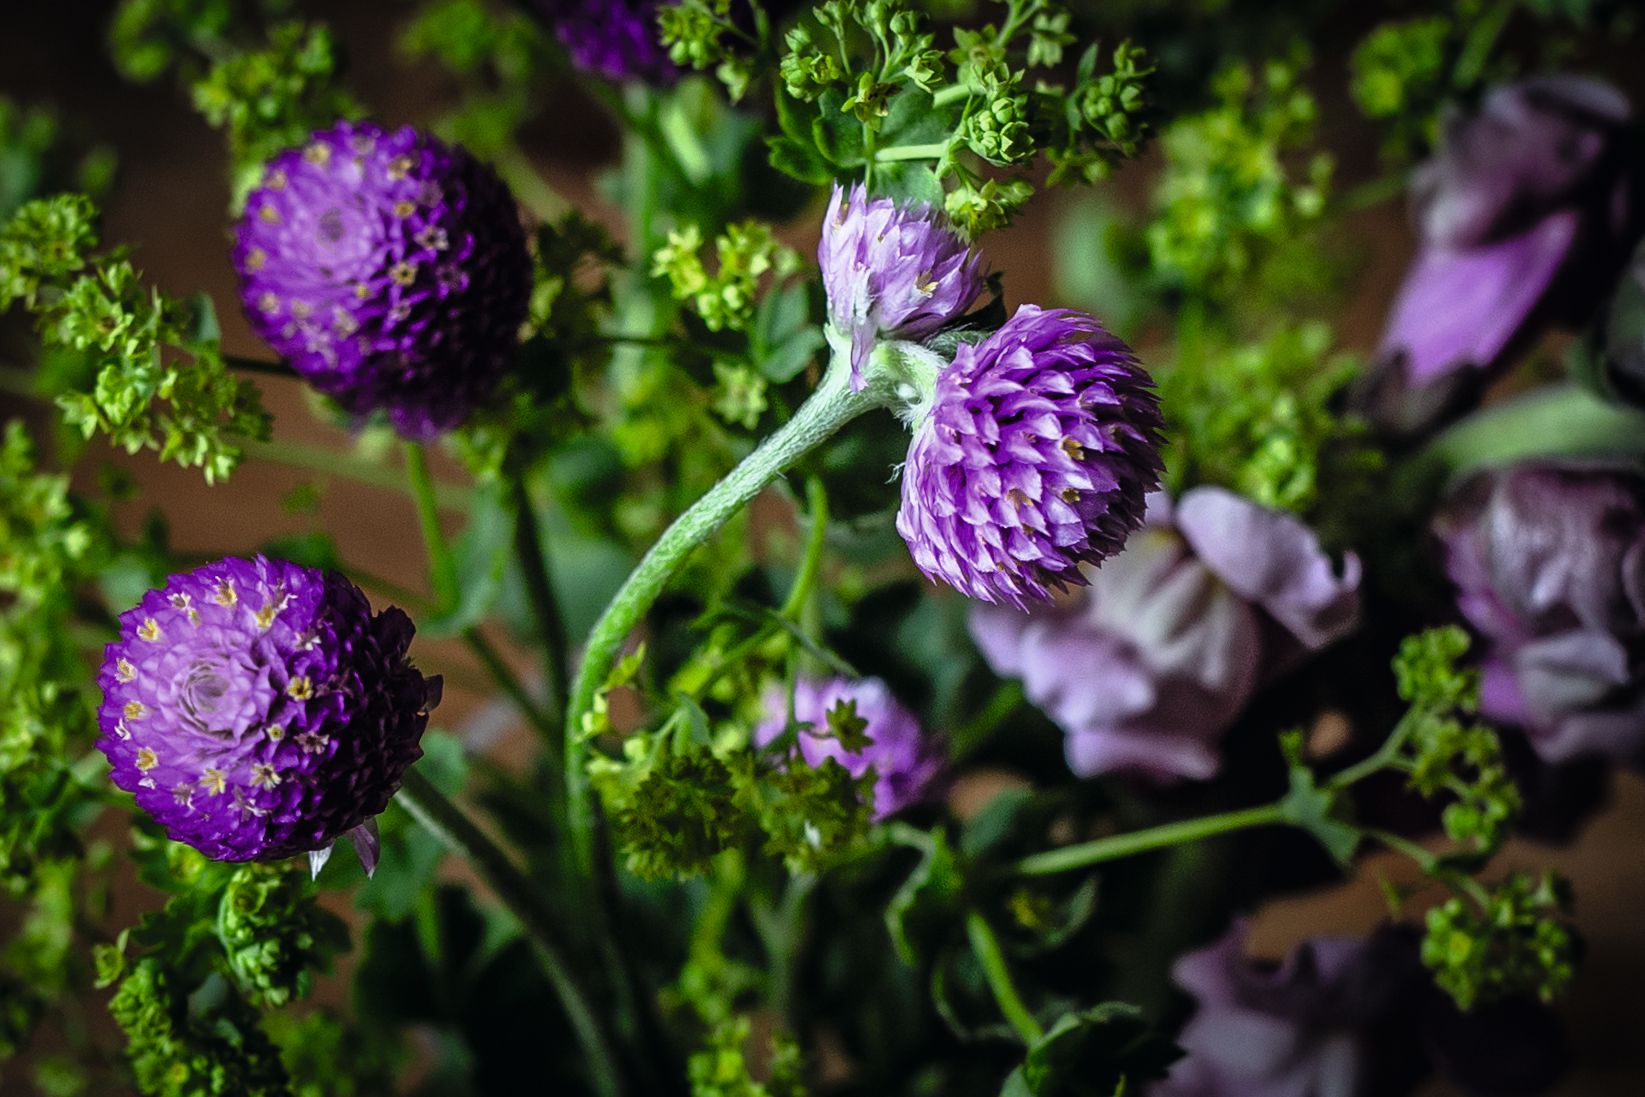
258,710
1034,459
616,39
389,269
892,271
906,761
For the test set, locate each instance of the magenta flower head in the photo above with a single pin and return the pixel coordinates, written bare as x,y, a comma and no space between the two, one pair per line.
1330,1018
1549,563
616,39
1033,460
1525,215
1147,668
892,272
389,269
907,763
258,709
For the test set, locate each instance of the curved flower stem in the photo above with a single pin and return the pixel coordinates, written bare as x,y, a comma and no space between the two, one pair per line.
816,504
459,834
545,604
986,946
442,566
830,407
1095,852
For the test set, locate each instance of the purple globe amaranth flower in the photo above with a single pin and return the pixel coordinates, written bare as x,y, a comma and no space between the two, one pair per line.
389,269
1525,215
258,709
1330,1020
616,39
907,762
1549,562
1147,667
892,272
1034,459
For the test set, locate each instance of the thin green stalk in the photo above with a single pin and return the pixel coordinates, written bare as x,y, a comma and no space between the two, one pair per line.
442,565
1383,756
830,407
539,586
951,94
816,502
528,185
1095,852
336,463
986,946
543,720
459,834
935,150
260,367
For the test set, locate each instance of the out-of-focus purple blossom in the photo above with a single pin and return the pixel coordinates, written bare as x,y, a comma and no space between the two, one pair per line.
892,271
1327,1021
906,761
616,39
1549,562
257,709
1034,459
1525,214
389,269
1147,667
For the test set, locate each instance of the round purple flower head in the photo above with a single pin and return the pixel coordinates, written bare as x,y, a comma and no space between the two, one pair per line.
1549,562
258,709
387,268
906,761
1331,1018
616,39
892,272
1147,668
1525,215
1036,456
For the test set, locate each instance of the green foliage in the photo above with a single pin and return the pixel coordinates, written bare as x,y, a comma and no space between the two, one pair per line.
1260,419
1400,74
720,1068
1505,943
497,55
704,34
174,1052
38,157
270,99
274,934
746,253
154,376
1229,192
149,38
1107,1051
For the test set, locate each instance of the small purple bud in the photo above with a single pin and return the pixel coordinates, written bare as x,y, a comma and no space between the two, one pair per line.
1034,459
906,762
389,269
616,39
892,272
258,710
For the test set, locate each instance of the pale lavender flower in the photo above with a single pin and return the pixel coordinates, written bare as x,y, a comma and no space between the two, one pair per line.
1034,459
1549,562
1147,667
1525,215
907,762
892,271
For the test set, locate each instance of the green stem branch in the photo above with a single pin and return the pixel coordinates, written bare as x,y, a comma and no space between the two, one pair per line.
986,946
459,834
935,150
545,604
830,407
1095,852
442,565
545,721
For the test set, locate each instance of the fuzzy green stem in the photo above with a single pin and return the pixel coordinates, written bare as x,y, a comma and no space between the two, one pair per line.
447,823
986,946
1095,852
830,407
442,565
935,150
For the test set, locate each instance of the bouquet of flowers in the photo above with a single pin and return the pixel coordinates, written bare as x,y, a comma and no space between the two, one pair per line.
913,567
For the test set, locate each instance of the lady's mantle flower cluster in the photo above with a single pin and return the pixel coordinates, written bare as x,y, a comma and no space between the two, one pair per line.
388,269
906,762
257,709
1033,449
892,272
1150,665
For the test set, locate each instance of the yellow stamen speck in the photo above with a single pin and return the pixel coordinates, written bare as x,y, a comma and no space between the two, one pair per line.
134,710
263,775
123,670
269,213
146,759
149,630
317,153
399,167
403,273
299,688
402,208
225,594
214,780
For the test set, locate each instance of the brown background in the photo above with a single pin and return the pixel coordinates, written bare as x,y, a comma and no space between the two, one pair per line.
170,202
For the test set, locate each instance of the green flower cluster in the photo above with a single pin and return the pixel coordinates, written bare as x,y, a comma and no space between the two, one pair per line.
746,253
273,933
1505,943
150,372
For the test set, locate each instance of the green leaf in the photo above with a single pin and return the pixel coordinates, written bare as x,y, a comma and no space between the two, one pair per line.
1314,808
926,907
1106,1051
